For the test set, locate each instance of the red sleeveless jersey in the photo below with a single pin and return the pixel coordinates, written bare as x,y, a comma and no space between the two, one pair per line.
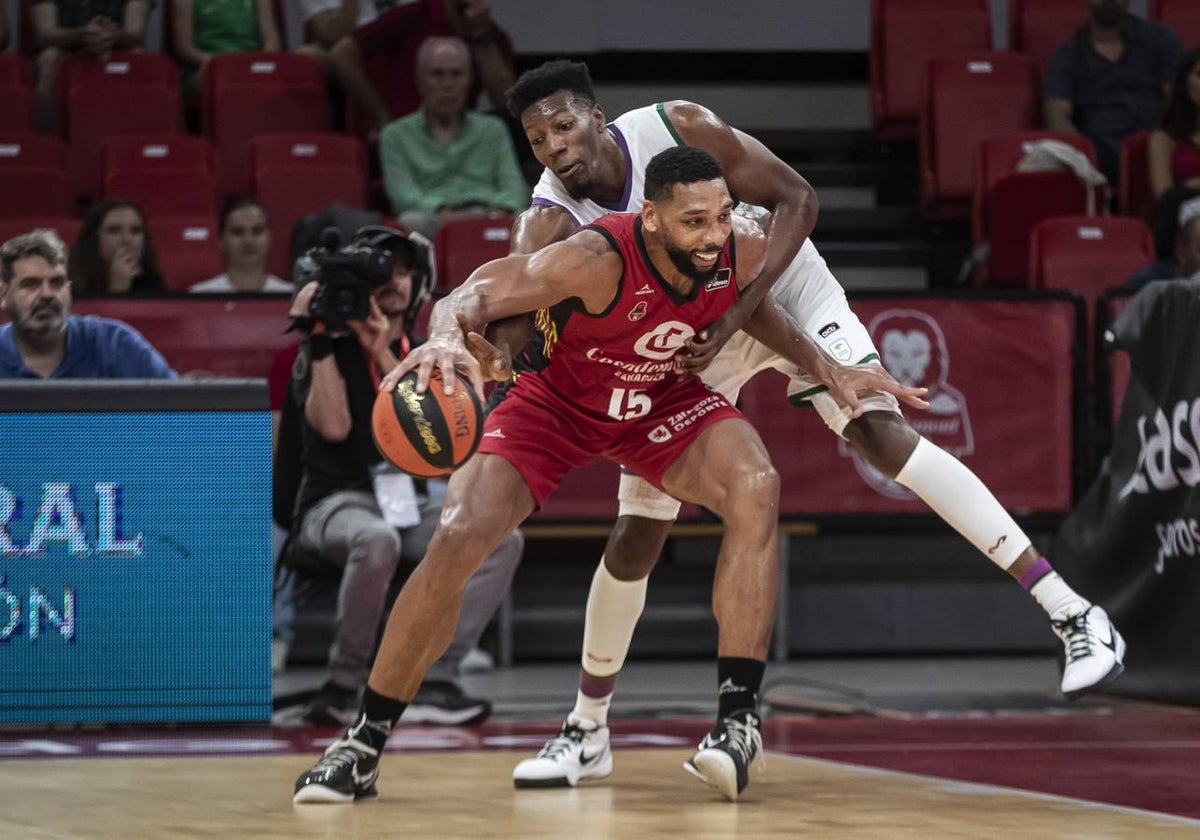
615,364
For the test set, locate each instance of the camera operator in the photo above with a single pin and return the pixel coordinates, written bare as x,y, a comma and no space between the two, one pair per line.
352,510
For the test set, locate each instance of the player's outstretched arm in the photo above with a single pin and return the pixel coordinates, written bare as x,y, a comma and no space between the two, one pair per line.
772,325
756,176
583,267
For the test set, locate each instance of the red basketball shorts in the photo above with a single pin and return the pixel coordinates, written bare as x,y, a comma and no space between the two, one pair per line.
544,435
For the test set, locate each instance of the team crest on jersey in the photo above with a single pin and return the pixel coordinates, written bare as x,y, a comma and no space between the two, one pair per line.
659,434
662,341
638,312
718,282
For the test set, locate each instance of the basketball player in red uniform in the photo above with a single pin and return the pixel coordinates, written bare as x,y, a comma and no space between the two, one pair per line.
617,301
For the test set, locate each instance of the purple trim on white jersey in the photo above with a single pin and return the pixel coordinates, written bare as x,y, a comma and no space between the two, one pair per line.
545,202
623,204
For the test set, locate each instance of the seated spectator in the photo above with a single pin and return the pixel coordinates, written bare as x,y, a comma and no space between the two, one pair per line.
245,243
95,26
353,514
1185,259
211,27
43,340
389,45
328,21
113,254
1174,153
1110,79
444,160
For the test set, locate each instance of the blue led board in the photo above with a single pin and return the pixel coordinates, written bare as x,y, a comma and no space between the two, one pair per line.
135,552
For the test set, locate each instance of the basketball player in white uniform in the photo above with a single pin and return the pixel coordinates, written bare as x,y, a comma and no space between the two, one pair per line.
593,169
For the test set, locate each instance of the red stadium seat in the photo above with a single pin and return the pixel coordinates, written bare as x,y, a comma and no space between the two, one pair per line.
905,35
465,244
1038,27
1134,194
170,174
249,94
953,123
1026,199
16,71
16,96
1088,255
1181,15
189,249
205,335
33,176
307,150
294,175
134,93
67,227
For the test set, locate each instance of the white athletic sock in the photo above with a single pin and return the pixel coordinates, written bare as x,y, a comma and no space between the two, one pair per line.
613,609
1056,598
958,496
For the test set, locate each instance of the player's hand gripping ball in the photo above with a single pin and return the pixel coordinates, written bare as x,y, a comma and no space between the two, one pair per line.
427,435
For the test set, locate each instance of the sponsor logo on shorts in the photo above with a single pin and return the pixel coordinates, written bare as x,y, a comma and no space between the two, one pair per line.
841,350
638,312
718,282
828,330
494,433
659,434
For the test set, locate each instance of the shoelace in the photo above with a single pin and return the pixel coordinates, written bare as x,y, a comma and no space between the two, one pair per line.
1078,632
344,752
747,740
563,741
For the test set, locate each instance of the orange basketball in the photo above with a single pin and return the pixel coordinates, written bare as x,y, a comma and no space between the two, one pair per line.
427,435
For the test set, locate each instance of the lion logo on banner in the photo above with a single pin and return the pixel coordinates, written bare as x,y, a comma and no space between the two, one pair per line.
913,348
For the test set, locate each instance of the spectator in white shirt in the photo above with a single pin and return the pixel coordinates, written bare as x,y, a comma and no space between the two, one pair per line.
245,242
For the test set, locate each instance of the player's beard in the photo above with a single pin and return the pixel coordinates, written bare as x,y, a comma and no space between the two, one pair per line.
682,260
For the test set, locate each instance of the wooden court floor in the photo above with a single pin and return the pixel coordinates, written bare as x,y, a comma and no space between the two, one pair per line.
470,795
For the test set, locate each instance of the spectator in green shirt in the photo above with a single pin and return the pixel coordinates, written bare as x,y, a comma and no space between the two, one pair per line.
211,27
443,160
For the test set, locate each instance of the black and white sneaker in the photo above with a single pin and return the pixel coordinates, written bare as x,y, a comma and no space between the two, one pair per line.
444,703
347,772
724,757
1095,651
577,752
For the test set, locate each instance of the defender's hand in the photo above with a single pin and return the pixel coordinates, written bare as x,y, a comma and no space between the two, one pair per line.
699,351
849,381
494,362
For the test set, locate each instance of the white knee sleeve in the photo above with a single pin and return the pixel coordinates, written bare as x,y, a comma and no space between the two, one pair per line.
958,496
639,497
613,609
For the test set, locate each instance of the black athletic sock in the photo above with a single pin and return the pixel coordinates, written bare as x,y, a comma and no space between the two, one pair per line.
738,682
377,718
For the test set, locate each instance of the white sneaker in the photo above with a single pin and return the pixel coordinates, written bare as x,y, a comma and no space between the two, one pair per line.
574,753
1094,651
